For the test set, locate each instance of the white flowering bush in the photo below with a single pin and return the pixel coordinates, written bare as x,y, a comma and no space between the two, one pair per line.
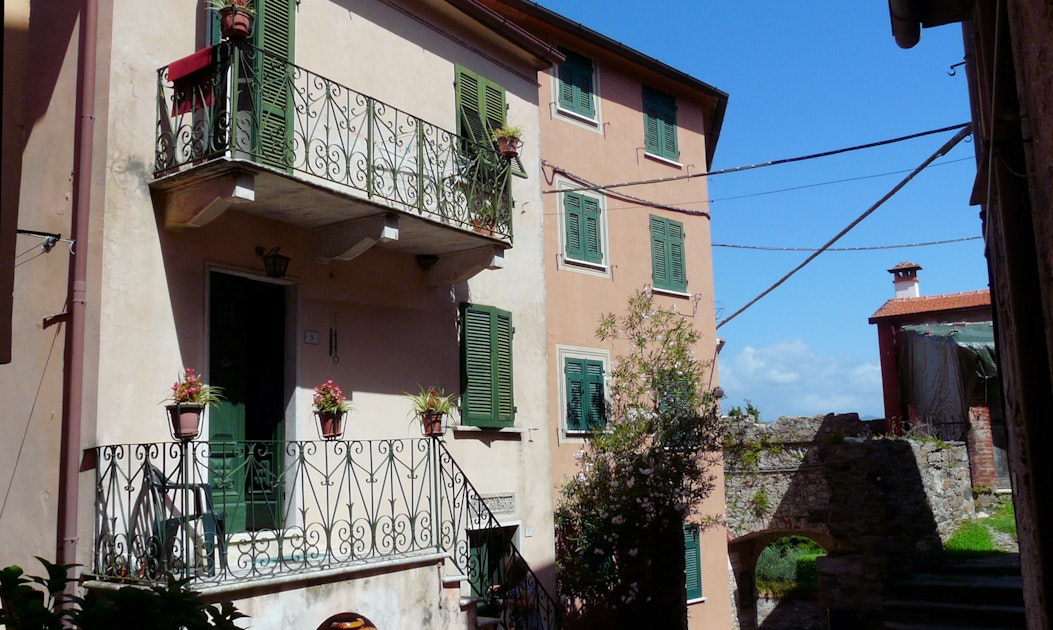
620,554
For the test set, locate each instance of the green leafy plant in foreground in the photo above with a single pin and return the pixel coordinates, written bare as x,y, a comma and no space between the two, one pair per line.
29,603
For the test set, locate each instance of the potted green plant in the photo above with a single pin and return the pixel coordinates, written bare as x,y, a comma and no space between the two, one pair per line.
508,139
331,407
235,16
189,398
431,406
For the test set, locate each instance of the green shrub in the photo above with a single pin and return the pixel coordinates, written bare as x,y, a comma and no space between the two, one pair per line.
788,561
807,572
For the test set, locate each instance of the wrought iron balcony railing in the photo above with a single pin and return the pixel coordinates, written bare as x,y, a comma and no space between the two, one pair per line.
231,512
237,102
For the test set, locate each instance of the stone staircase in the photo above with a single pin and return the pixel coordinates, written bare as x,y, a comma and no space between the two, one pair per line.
958,594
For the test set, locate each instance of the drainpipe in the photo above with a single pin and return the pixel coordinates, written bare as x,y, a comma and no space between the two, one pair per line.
73,383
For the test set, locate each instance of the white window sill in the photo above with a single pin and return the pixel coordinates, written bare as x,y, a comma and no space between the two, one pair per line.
576,117
670,292
470,429
585,265
664,160
700,600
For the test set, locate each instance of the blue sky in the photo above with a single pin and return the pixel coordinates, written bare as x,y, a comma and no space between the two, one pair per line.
805,78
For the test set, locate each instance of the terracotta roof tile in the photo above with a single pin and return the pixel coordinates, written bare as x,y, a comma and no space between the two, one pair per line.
932,303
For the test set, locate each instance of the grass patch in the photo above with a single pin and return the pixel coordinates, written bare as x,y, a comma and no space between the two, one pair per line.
1003,519
971,537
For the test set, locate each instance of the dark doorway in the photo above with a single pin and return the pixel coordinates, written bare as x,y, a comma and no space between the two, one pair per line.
247,359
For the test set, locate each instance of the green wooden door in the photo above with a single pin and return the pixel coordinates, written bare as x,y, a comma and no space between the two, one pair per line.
246,359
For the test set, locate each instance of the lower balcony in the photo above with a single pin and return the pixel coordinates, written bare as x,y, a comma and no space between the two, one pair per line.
225,513
241,128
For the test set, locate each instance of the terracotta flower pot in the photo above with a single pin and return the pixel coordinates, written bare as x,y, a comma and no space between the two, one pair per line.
185,419
508,146
431,423
235,21
331,423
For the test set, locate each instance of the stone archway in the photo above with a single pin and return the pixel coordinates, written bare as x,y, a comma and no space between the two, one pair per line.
743,553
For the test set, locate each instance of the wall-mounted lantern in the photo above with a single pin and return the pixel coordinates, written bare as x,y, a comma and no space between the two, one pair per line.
274,264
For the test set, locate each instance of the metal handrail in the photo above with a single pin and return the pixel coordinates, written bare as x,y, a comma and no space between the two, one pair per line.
249,104
234,511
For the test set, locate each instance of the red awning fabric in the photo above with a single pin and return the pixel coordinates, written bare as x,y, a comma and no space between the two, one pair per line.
191,90
190,64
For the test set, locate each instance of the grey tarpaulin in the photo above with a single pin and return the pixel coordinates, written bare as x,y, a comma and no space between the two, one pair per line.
944,369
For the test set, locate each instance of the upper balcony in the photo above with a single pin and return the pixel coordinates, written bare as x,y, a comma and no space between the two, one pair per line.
240,127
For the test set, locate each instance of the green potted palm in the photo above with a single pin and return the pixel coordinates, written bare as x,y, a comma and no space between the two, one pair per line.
431,406
235,16
187,403
508,139
330,407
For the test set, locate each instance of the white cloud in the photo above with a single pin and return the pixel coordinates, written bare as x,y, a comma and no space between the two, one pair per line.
787,379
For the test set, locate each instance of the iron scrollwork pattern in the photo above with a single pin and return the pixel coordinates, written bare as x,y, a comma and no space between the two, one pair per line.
248,104
232,511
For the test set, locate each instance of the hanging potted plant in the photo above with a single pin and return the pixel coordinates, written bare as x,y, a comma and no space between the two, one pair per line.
431,406
508,140
330,407
235,16
188,400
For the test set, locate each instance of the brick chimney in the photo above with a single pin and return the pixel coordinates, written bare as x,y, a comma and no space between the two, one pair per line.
905,279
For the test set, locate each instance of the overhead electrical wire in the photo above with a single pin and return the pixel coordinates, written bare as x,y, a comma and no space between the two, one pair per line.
847,249
801,187
947,146
737,169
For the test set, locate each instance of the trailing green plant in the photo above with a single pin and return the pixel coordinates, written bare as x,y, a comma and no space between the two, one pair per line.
30,603
982,491
760,504
619,518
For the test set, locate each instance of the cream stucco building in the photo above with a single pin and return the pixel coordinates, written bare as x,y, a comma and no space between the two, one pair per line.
155,171
353,139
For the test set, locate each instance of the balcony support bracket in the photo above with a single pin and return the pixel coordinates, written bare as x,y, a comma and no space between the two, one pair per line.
202,202
348,240
460,266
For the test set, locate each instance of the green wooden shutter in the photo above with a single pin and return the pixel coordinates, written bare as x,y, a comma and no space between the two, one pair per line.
586,406
575,85
677,270
505,410
486,400
591,230
573,220
480,106
660,124
595,405
668,267
574,369
692,562
274,32
582,222
659,253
